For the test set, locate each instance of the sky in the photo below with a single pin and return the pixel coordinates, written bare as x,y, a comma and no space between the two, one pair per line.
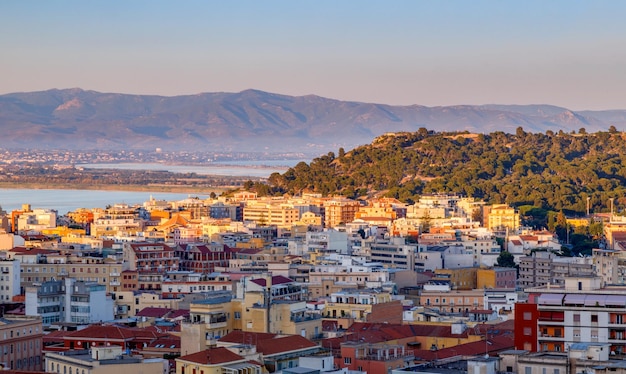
562,52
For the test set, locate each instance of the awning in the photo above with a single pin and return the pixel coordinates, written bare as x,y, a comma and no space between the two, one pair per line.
595,300
615,300
550,299
574,299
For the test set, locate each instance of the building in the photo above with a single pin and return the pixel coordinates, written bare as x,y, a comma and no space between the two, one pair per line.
216,361
497,277
555,318
202,258
102,360
9,280
210,319
339,211
69,300
21,343
541,268
501,217
394,253
363,305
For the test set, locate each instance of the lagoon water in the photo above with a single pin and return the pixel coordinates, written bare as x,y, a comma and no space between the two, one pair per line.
68,200
261,169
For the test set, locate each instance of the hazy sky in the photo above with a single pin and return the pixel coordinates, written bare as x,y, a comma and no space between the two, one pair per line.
568,53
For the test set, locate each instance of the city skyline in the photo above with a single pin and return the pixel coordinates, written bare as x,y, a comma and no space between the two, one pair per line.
401,53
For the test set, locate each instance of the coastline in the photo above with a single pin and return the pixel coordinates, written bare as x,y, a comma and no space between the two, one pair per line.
116,187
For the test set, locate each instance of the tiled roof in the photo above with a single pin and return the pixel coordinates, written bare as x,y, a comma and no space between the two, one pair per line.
54,336
153,247
212,356
32,251
278,279
243,337
169,341
152,312
112,332
283,344
178,313
496,344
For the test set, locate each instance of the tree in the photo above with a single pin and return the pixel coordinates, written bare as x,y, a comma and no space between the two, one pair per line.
612,129
506,260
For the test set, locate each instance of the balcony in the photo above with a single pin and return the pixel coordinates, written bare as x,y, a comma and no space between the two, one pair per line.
305,318
114,283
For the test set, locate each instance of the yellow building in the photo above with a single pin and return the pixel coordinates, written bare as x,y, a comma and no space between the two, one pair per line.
455,301
501,217
281,215
310,218
211,319
364,305
62,231
459,279
339,210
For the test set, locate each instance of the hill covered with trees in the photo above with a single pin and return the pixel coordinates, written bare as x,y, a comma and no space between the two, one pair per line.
551,171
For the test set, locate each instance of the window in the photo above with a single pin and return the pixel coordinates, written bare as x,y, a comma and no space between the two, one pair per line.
594,318
347,360
576,317
528,370
528,316
527,331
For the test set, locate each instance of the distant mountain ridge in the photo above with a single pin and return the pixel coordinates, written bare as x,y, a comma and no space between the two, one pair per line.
253,121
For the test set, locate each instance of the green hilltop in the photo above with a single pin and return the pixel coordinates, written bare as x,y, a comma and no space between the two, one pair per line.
551,171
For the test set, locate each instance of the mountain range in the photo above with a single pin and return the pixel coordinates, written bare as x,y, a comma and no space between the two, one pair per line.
254,121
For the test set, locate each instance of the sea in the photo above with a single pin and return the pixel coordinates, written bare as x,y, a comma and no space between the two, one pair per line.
64,201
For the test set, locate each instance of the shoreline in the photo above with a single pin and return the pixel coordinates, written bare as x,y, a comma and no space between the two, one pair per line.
110,187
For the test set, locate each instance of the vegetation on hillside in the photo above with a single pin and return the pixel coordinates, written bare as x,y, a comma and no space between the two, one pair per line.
545,173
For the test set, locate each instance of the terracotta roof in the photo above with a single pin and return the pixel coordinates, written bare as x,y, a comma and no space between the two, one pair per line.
278,279
284,344
497,344
516,242
377,333
178,313
169,341
54,336
244,337
153,247
112,332
212,356
152,312
32,251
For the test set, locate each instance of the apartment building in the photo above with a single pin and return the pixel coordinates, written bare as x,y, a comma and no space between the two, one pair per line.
393,253
271,213
362,305
102,360
202,258
21,343
543,268
117,220
38,266
69,301
501,217
581,311
339,211
9,280
452,301
150,257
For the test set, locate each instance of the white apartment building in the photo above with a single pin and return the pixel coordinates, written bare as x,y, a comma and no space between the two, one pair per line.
9,280
69,300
